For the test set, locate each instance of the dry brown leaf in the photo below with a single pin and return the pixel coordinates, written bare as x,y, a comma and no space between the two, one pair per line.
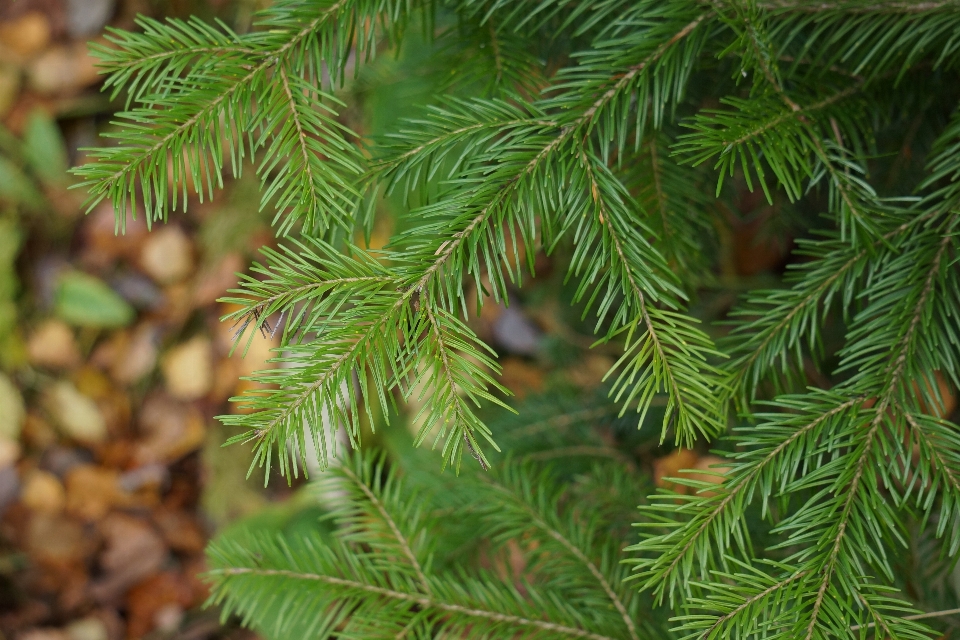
26,35
134,551
43,491
46,633
37,433
76,414
521,377
169,429
57,539
180,530
102,245
129,355
711,467
63,70
158,602
214,281
52,345
10,451
93,491
590,371
167,255
188,369
669,466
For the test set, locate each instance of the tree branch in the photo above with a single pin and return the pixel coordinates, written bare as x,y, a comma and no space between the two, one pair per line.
394,529
539,523
414,598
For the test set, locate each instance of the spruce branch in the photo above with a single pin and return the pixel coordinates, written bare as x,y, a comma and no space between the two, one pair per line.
177,134
648,361
717,518
521,502
361,483
367,578
527,151
919,616
413,598
781,320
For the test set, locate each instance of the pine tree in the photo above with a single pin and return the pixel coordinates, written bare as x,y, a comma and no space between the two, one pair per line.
621,132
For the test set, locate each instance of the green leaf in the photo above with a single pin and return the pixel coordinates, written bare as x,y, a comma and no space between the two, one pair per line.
86,301
16,187
44,149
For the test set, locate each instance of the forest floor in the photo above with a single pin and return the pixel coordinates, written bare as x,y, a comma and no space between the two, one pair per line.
113,364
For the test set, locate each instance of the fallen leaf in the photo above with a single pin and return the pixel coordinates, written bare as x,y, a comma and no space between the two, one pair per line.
43,491
148,475
188,369
93,491
26,35
104,242
711,467
180,530
53,346
89,628
37,433
77,415
669,466
170,430
46,633
9,486
113,403
520,377
590,371
9,451
214,282
63,69
57,539
158,602
60,460
133,552
167,255
92,383
85,301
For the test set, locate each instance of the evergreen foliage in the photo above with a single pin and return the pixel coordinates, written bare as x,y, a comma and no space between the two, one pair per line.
618,132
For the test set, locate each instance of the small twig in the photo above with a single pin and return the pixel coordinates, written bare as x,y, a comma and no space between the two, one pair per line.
919,616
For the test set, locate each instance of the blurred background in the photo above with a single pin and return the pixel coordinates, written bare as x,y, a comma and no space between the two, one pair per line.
113,363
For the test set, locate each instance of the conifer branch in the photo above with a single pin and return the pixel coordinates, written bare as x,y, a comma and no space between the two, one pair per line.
919,616
819,280
751,600
414,598
851,491
536,521
301,136
531,156
660,360
935,453
708,520
401,540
